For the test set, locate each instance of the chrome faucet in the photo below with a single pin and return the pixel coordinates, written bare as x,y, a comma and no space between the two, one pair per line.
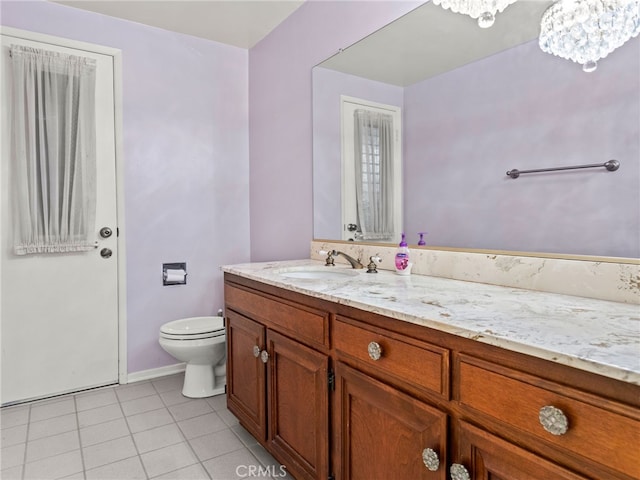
354,263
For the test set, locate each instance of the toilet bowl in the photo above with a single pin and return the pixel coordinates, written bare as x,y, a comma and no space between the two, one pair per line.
200,343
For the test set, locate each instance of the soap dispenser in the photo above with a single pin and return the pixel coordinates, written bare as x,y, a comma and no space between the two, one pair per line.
421,242
403,267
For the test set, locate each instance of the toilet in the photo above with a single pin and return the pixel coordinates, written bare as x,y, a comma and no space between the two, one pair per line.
200,343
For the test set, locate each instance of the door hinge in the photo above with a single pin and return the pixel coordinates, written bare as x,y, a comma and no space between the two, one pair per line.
331,377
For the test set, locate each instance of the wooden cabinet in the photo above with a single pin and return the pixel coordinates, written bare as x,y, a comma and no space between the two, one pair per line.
413,402
485,456
277,386
383,433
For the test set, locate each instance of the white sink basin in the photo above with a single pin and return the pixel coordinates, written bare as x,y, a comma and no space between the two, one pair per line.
317,273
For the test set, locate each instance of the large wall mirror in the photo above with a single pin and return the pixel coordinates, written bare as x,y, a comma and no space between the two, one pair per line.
474,104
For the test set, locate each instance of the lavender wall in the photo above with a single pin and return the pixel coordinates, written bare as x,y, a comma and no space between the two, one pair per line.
280,116
186,162
327,146
526,109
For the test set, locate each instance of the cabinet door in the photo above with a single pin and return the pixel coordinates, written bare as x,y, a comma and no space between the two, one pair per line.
488,457
246,377
298,407
384,433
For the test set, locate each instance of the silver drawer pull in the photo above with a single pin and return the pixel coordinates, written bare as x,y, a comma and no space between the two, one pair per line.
430,459
375,351
256,351
264,356
553,420
459,472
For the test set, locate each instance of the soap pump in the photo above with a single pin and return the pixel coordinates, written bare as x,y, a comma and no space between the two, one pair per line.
421,242
403,267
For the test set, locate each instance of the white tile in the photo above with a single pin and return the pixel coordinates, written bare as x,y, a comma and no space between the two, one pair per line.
95,399
55,467
108,452
232,465
13,416
128,469
264,457
158,438
103,432
168,459
193,408
99,415
244,436
198,426
51,446
13,473
53,426
219,402
192,472
140,405
13,455
173,397
14,435
166,384
135,390
148,420
74,476
228,417
215,444
52,408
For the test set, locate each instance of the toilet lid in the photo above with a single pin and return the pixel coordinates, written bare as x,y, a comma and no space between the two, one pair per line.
193,326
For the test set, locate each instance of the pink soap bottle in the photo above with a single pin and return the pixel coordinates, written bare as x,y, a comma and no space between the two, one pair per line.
402,258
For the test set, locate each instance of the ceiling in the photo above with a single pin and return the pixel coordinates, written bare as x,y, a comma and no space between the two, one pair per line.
241,23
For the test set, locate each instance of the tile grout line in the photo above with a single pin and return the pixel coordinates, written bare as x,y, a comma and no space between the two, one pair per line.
126,422
199,462
75,407
26,443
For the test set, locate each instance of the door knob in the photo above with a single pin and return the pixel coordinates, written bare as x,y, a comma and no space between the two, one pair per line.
105,232
106,253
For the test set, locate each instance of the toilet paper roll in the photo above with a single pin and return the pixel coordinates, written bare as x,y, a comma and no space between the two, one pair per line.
175,275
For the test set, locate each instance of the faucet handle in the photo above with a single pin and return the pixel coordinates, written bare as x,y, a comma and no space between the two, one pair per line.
330,262
372,267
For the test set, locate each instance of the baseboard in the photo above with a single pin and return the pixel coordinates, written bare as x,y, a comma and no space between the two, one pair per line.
156,372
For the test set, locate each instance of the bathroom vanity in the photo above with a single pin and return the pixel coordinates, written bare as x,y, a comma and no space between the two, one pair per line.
379,376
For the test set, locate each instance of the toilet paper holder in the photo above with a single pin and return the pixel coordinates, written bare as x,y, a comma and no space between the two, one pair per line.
174,273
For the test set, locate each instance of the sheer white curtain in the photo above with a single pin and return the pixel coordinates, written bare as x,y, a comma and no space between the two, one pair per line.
53,150
374,174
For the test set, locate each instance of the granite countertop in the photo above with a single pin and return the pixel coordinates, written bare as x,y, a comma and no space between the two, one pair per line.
598,336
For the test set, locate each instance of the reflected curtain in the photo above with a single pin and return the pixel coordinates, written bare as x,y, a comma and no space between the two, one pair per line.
53,150
374,174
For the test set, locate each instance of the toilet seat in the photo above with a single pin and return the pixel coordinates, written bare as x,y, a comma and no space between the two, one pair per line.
194,328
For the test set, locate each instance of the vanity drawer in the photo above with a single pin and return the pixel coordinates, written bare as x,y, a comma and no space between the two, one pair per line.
303,323
605,432
413,362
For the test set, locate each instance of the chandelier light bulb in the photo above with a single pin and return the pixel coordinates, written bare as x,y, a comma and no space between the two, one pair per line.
585,31
482,10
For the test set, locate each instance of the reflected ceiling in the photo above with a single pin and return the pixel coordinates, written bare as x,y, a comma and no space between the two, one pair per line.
449,40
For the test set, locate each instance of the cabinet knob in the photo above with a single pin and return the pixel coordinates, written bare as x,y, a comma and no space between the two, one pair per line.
553,420
430,459
375,351
459,472
256,351
264,356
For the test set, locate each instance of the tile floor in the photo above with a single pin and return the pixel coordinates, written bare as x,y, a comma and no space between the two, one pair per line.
142,430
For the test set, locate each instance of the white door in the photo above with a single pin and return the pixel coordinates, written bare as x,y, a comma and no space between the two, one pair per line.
348,106
59,312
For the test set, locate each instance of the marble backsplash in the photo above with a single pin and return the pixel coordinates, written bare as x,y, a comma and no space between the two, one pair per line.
581,276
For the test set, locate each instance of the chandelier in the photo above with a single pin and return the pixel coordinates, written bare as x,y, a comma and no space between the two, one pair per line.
587,30
483,10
